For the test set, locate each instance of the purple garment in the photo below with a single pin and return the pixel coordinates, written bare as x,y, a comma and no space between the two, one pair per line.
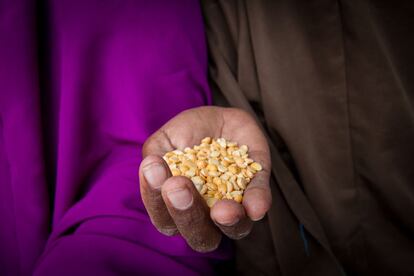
82,85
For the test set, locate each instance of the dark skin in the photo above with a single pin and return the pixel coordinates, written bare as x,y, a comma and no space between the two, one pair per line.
201,226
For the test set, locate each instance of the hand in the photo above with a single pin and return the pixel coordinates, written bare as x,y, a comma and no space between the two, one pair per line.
174,204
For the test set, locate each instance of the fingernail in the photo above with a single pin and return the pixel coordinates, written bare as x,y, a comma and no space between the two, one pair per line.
257,219
231,222
155,174
181,199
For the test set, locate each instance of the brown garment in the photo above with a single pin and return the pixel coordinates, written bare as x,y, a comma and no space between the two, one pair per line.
332,83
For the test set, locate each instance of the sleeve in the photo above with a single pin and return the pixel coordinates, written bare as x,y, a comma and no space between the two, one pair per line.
234,77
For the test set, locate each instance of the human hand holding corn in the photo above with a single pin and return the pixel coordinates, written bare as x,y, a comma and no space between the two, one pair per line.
241,174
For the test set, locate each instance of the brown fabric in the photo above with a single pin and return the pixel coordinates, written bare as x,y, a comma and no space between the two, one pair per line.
332,84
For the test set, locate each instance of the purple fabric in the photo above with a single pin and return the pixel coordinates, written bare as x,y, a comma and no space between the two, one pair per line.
72,123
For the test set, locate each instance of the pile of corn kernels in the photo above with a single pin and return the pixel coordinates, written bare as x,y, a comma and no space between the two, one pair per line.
218,168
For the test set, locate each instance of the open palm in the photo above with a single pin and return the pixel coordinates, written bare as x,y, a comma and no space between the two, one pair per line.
174,204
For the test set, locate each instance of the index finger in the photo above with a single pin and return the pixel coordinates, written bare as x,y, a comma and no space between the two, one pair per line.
190,214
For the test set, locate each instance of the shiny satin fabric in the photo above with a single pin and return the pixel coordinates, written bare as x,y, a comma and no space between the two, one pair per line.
82,85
